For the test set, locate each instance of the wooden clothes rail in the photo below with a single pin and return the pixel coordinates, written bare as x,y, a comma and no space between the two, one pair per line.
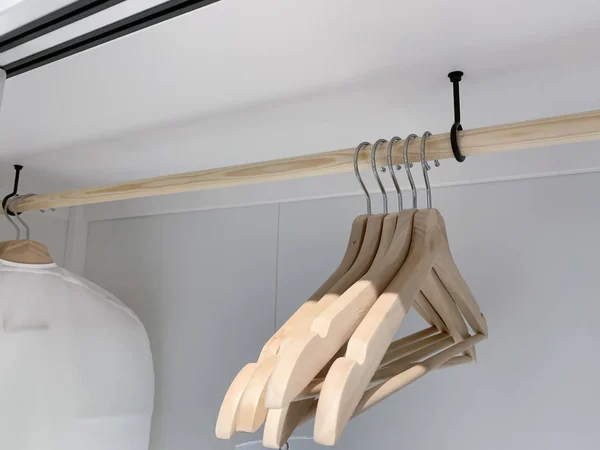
521,135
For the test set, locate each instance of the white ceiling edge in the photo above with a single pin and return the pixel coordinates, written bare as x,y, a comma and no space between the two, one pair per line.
16,13
95,21
265,54
8,4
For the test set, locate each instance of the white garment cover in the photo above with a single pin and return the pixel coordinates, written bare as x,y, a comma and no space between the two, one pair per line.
75,364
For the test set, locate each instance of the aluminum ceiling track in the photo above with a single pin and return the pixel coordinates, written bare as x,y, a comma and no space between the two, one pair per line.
79,10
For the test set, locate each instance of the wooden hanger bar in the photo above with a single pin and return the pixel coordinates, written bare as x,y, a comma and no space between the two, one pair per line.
515,136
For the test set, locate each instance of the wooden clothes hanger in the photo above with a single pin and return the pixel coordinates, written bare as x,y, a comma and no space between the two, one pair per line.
255,380
277,420
228,414
402,355
350,376
243,406
281,423
308,353
252,410
379,233
24,251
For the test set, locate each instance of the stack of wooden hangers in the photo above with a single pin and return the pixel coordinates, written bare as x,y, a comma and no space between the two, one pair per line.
334,358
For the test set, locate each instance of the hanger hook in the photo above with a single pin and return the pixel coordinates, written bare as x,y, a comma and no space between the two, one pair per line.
12,222
392,172
407,166
357,173
426,167
15,202
374,169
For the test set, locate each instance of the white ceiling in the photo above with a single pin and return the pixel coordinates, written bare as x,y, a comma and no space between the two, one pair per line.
322,75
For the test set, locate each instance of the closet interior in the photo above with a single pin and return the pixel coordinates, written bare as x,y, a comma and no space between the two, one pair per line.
247,320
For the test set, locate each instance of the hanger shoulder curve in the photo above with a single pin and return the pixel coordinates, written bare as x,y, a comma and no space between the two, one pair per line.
388,231
25,252
307,354
299,318
349,376
458,289
252,411
227,418
439,297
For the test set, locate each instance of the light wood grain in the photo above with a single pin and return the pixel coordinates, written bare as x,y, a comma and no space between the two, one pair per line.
281,423
387,234
450,276
338,317
380,392
226,420
521,135
252,407
410,348
444,304
349,376
304,315
412,338
396,354
244,402
25,252
425,310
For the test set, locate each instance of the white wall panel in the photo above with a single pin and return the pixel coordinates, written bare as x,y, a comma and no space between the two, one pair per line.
528,250
203,283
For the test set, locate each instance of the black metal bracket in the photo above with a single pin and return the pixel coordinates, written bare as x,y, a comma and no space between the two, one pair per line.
18,169
455,78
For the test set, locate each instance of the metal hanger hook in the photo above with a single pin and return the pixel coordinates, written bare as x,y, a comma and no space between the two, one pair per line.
374,169
12,222
407,166
426,167
393,173
15,202
357,173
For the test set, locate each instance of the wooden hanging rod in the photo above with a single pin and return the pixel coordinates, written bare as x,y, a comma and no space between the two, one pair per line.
515,136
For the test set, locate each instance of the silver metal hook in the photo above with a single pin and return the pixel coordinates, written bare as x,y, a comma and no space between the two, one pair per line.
18,199
407,166
426,167
12,222
374,169
393,173
357,173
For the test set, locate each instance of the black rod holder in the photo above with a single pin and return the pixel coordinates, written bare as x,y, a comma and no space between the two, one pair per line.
455,78
18,169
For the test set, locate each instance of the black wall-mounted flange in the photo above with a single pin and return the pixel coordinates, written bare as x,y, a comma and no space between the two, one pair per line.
455,78
18,169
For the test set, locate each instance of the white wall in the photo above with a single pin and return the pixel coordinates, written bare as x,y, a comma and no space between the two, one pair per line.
210,284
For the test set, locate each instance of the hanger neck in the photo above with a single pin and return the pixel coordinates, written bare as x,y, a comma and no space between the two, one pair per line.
25,252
